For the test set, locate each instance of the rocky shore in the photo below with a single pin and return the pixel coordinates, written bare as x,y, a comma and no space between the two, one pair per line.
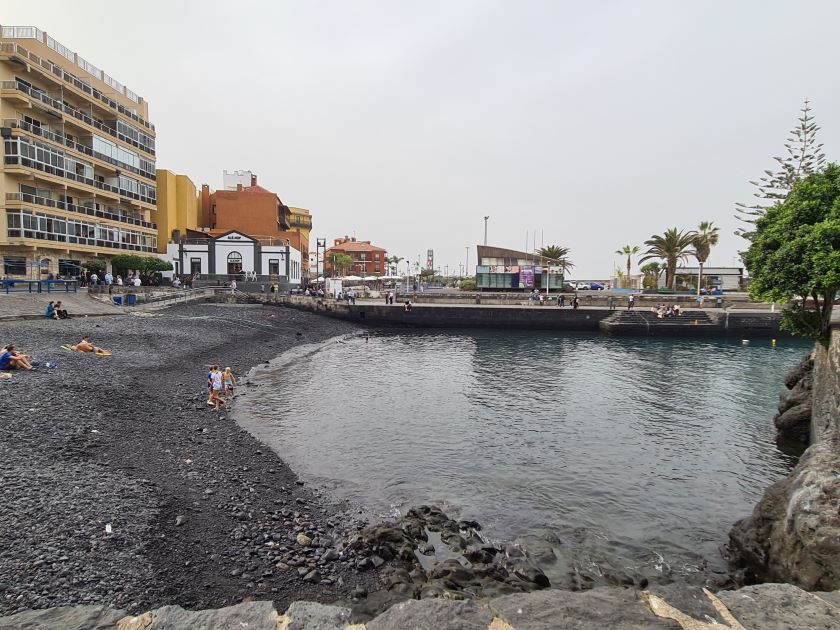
121,487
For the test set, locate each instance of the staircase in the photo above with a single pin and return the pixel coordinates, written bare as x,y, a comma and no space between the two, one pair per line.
637,322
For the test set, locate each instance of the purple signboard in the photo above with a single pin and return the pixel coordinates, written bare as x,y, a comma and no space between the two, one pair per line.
526,277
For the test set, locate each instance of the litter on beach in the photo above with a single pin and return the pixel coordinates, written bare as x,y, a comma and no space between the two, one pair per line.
108,529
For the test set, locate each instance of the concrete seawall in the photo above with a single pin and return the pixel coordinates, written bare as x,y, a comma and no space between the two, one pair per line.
742,324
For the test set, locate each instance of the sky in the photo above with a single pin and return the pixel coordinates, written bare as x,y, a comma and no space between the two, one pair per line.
592,125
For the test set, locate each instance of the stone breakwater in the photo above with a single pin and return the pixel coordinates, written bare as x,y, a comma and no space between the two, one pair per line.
793,535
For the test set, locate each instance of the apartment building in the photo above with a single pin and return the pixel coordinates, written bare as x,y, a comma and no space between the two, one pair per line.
366,259
78,179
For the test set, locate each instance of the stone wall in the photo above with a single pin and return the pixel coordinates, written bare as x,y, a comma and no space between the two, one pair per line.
825,416
793,534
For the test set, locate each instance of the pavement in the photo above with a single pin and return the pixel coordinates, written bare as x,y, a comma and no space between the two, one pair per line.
18,305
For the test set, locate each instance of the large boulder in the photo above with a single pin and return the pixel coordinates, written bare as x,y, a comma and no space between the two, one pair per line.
65,618
793,534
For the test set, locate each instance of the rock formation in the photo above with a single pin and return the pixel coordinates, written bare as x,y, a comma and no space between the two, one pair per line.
793,419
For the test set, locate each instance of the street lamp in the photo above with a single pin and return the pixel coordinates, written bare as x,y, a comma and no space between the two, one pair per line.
467,264
485,228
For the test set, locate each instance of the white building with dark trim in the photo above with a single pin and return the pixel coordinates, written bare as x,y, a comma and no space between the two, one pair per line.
232,255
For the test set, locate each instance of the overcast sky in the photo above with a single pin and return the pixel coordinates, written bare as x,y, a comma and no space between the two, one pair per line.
594,124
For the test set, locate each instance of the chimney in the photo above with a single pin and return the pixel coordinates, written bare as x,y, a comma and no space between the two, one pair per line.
239,188
253,180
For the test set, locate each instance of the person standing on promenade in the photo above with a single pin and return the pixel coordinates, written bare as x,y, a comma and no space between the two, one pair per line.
631,301
575,302
561,301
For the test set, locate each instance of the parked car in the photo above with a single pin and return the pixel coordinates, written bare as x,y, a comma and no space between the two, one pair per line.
596,286
581,286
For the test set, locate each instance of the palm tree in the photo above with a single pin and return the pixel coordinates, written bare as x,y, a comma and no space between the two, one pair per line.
651,272
672,246
394,261
706,238
628,251
557,256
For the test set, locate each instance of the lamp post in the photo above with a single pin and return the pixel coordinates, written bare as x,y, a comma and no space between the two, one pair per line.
467,264
485,228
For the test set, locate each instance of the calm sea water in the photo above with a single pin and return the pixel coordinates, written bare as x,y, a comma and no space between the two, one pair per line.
626,455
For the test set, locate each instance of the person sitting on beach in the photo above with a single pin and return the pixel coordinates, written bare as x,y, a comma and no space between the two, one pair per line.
86,346
49,312
408,306
11,359
229,381
677,310
60,311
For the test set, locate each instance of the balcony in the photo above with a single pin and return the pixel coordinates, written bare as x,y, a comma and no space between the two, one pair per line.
19,160
12,87
305,224
18,198
10,49
81,148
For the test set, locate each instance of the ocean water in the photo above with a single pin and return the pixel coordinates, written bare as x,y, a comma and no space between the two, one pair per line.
609,455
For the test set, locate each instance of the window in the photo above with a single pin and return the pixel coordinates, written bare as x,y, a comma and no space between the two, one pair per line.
274,266
195,265
14,266
68,267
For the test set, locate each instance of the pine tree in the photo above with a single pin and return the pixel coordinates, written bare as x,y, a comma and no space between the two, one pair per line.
804,156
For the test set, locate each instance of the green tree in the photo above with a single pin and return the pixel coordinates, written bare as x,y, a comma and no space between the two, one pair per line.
804,156
340,262
707,237
467,284
672,246
651,272
94,266
628,250
145,266
795,252
557,256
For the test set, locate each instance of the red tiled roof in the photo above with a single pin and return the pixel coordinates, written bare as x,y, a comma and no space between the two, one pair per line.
256,189
356,246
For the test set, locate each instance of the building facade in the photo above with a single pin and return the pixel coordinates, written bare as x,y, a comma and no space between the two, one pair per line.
501,269
234,255
250,209
177,207
367,259
78,178
300,221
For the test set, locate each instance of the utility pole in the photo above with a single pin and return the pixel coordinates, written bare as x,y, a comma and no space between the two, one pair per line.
467,265
485,229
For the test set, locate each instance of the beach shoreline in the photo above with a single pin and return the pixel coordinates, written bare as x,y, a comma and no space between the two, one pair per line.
123,488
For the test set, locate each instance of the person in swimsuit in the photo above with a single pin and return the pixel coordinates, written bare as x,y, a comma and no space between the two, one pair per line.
86,346
229,380
216,392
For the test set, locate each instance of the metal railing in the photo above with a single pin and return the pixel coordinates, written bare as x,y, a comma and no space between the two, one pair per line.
15,123
60,172
13,48
72,207
45,98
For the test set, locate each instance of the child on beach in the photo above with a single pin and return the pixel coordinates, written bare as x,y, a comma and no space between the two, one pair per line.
229,381
215,378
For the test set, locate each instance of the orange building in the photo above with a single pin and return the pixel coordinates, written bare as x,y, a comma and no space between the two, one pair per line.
368,259
250,209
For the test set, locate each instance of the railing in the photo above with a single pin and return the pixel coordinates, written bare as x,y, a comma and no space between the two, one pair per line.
13,48
45,98
301,224
60,172
72,207
81,148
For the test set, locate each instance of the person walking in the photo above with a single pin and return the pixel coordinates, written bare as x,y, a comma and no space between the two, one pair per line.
561,301
631,301
575,302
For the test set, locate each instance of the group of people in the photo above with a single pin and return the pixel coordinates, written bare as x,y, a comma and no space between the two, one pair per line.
389,297
662,311
220,384
55,310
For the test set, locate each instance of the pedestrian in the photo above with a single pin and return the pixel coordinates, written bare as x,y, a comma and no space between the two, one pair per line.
575,302
631,301
611,303
137,281
229,381
233,286
215,379
408,306
561,301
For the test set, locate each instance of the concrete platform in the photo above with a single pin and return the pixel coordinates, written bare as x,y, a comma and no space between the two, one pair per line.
32,305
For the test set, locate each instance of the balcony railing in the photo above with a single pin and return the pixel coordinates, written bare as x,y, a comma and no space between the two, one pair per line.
79,240
55,137
72,207
45,98
60,172
13,48
301,223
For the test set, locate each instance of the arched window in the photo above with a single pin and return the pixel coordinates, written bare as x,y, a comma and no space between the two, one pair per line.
234,264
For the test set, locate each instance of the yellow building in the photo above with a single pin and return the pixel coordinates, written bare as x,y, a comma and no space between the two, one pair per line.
178,206
77,180
301,221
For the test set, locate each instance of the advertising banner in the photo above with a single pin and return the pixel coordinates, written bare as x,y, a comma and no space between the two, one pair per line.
526,277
